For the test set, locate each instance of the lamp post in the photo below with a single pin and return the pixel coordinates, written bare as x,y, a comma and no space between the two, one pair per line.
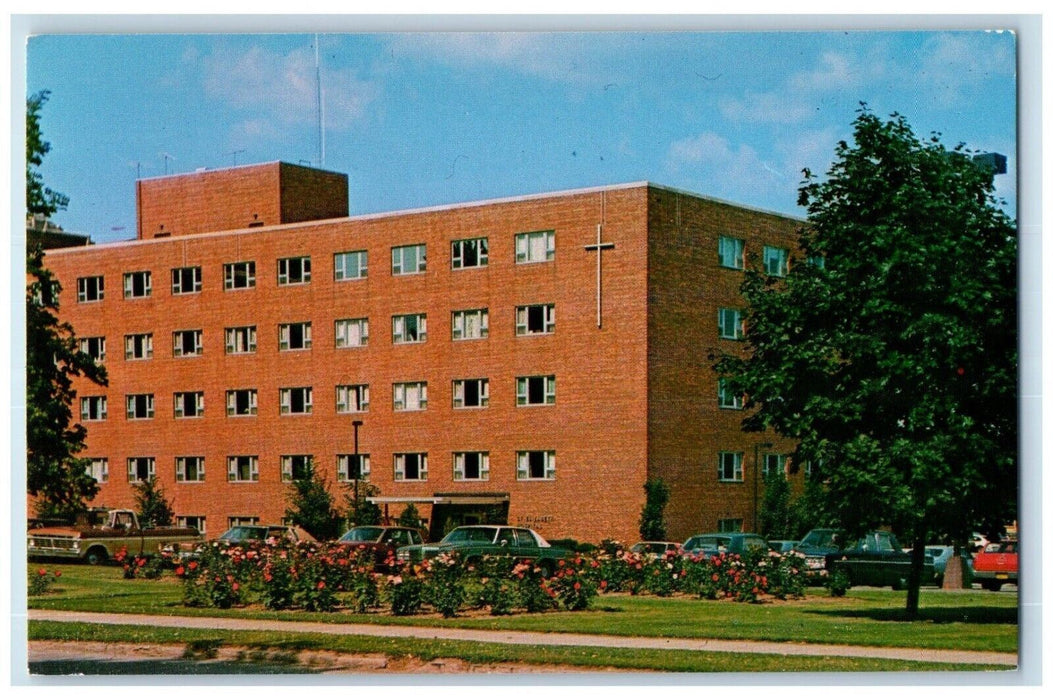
756,477
356,424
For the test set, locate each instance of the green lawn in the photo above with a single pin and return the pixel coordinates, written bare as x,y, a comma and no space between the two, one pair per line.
962,620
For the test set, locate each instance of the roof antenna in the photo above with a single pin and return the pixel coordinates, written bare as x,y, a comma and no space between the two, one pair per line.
167,158
321,107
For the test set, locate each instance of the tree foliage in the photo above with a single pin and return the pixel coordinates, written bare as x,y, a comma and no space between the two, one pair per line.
364,511
53,472
311,506
652,517
152,506
410,517
889,350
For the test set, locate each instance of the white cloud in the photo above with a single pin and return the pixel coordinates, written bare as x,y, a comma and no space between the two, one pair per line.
835,72
734,167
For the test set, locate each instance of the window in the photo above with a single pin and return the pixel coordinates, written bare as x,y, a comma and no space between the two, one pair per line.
353,265
139,346
535,319
729,525
296,467
186,280
90,289
239,275
243,468
410,396
195,521
472,324
352,398
535,247
730,324
294,336
411,466
140,469
190,468
240,340
352,332
729,466
535,464
95,348
238,520
536,391
189,404
294,270
409,328
776,261
93,408
140,406
137,285
98,468
774,464
186,343
345,467
471,466
471,252
241,402
471,393
817,261
730,252
726,398
295,400
408,259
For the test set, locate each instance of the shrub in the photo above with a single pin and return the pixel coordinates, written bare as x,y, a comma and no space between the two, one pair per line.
786,577
664,575
41,582
575,583
837,582
444,585
405,591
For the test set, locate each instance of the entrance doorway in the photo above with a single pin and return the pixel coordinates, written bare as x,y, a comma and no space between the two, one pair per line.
447,516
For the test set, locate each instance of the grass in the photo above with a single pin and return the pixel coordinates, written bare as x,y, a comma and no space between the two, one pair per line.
973,621
589,658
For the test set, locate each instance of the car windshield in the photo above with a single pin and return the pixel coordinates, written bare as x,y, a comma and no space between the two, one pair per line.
244,532
820,538
707,542
484,535
362,534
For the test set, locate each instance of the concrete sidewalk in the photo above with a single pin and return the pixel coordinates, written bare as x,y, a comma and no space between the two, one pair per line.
534,638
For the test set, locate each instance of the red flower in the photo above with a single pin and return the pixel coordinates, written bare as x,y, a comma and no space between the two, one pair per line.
577,585
58,574
234,586
180,571
715,577
193,565
321,585
42,572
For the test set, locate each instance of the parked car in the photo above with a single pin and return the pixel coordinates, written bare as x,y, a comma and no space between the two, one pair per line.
782,546
997,564
383,542
941,554
473,542
656,549
243,534
876,559
707,545
815,547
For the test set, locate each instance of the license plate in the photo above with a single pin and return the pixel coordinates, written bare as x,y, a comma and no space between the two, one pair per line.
1002,576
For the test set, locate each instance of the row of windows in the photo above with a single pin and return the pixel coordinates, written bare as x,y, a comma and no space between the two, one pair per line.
729,465
539,390
531,465
531,247
731,253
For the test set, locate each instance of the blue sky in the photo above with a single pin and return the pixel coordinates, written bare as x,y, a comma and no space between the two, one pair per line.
431,118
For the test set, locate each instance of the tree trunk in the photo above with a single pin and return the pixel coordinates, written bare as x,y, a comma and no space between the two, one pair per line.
917,565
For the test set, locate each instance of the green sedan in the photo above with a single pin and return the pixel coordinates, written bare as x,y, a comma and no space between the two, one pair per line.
473,542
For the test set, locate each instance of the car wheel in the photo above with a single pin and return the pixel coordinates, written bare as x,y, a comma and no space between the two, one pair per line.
95,556
994,586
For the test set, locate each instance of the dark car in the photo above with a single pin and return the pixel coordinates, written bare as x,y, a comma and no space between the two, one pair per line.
382,541
473,542
243,534
655,549
815,547
782,546
876,559
723,542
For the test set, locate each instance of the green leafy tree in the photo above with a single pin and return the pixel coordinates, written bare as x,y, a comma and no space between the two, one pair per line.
363,512
776,514
410,517
154,509
652,517
311,506
54,474
889,351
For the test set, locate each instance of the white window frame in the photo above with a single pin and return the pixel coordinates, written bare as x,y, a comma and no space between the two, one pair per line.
179,404
138,346
523,465
234,471
93,408
772,462
731,252
463,328
289,465
138,284
350,261
776,261
96,353
483,393
178,342
91,289
729,463
285,400
548,389
343,467
351,332
285,336
725,399
402,261
400,328
239,275
179,280
252,400
729,525
236,520
548,319
458,249
132,405
238,337
400,466
198,522
98,468
352,398
731,323
294,271
459,466
535,247
133,469
182,473
409,396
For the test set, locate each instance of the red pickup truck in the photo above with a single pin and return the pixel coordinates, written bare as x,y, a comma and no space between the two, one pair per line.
997,564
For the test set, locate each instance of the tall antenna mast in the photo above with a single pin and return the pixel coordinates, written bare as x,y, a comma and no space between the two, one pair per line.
318,94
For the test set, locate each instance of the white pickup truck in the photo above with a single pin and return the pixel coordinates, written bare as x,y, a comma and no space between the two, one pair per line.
102,533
